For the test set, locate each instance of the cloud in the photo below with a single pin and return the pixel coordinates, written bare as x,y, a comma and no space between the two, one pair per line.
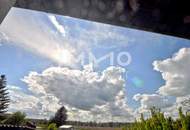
88,95
175,72
180,102
3,38
38,33
167,105
34,105
68,85
58,38
103,35
57,25
152,100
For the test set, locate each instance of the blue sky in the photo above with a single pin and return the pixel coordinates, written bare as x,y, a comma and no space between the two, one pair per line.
29,40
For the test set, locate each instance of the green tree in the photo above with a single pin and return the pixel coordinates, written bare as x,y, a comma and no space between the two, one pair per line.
4,98
182,118
60,117
17,118
185,119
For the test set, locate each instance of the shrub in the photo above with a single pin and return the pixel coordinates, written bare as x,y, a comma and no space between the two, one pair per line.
157,121
52,126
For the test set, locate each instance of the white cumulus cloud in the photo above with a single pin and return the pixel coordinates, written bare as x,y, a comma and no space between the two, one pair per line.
175,72
176,90
88,95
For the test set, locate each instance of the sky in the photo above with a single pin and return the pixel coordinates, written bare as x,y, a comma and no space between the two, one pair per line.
99,72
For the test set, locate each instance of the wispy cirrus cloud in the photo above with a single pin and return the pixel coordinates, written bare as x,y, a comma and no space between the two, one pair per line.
57,25
30,30
54,37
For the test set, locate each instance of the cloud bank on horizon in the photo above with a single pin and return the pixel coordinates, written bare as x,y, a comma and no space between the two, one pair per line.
88,94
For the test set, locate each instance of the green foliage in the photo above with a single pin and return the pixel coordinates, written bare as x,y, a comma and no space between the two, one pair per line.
157,121
52,126
4,98
185,120
18,118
